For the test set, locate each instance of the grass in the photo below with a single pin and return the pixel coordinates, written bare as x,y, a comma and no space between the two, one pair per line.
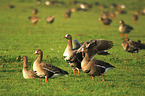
19,37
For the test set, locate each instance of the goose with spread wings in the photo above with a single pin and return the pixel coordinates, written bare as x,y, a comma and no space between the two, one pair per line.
74,58
94,67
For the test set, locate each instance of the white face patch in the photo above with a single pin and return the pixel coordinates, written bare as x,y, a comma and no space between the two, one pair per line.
35,51
66,35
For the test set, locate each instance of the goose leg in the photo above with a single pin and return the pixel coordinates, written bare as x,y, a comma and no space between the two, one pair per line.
121,35
103,78
78,72
126,35
93,78
74,71
46,79
131,54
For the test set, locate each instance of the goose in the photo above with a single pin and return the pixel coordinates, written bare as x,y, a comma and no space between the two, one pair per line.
46,70
34,19
94,67
105,21
135,18
132,46
50,19
35,12
68,14
124,28
73,59
27,74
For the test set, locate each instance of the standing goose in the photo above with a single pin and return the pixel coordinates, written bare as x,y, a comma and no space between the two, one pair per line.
70,56
28,73
94,67
124,28
132,46
74,58
135,18
105,21
50,19
34,19
44,69
34,12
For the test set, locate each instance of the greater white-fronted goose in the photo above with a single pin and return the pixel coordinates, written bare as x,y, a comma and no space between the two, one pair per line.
44,69
132,46
28,73
124,28
94,67
50,19
70,56
34,12
135,18
105,21
68,14
34,19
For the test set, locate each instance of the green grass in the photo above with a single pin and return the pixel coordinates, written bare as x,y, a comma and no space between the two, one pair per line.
19,37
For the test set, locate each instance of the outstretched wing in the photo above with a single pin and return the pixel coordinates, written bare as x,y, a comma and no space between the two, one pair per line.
76,44
96,46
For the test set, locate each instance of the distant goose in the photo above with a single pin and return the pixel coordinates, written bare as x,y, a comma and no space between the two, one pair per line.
135,18
94,67
44,69
68,14
105,21
124,28
50,19
132,46
28,73
34,19
35,12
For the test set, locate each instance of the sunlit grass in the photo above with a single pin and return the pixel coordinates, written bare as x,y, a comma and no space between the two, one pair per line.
19,37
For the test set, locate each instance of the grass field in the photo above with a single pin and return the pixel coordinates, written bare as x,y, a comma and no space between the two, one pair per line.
19,37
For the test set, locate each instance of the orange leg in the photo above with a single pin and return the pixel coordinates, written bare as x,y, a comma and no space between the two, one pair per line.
93,78
46,80
121,35
103,78
126,35
78,72
74,71
131,54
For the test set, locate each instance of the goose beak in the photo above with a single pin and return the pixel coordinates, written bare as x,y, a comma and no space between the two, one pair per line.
64,36
35,52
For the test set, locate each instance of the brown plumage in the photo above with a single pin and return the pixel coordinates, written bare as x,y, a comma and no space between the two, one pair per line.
97,46
105,21
132,46
94,67
28,73
34,19
135,18
44,69
34,12
50,19
68,14
70,56
124,28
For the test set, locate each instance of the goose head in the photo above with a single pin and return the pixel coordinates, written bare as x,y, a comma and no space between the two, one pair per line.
121,22
67,36
38,51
